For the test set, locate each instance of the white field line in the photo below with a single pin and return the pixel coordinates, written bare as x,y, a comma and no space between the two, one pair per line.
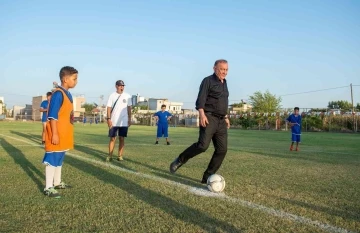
206,193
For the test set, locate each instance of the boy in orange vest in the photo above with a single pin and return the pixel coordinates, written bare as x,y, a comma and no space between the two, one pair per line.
59,131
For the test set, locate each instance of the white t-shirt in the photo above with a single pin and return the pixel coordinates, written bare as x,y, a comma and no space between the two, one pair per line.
119,115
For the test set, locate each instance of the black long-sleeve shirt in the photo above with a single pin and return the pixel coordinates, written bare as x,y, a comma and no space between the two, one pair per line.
213,95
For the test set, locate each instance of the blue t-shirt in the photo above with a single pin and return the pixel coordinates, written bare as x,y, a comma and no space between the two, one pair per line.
295,129
56,102
163,116
44,105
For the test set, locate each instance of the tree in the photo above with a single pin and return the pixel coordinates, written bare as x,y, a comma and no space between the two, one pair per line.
357,106
340,104
265,102
89,107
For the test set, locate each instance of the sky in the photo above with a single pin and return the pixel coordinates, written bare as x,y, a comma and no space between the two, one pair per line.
164,48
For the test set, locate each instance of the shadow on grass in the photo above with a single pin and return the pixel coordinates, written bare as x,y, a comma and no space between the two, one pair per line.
340,213
32,137
157,171
100,155
24,163
165,174
172,207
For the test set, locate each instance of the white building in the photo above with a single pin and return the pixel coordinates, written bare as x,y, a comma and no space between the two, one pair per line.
174,107
17,111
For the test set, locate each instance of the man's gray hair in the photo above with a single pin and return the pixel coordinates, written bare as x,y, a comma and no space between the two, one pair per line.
220,61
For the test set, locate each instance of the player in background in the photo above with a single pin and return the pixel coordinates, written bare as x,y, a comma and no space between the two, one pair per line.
118,118
162,118
59,131
43,108
295,123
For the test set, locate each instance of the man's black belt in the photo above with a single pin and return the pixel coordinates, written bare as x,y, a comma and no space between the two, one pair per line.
216,115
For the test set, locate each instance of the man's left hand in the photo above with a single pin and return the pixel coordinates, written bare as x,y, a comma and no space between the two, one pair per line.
129,123
227,123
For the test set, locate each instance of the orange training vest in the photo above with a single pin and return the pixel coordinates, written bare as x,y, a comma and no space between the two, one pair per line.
64,126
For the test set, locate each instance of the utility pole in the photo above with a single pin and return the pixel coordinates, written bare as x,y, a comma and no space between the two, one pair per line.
100,106
352,107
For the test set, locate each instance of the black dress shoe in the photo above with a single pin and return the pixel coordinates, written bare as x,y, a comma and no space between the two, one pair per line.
205,178
176,164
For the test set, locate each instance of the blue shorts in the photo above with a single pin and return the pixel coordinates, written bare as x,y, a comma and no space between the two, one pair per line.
295,137
118,131
162,130
54,159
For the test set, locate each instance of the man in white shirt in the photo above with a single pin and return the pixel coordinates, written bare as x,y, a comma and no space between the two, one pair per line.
118,118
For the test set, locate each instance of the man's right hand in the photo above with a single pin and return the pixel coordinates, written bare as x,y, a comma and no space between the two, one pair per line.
109,123
203,120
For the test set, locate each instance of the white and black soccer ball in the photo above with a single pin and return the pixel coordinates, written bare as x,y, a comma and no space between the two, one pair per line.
216,183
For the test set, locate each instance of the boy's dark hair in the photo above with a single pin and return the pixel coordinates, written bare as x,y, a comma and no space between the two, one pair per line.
163,106
296,108
67,70
49,93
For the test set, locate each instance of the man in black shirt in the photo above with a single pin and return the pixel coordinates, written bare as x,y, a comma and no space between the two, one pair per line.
212,104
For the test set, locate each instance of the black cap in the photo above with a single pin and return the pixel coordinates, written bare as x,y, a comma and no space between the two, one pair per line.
120,83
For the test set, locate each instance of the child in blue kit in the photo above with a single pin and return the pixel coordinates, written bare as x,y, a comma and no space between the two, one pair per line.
295,123
162,118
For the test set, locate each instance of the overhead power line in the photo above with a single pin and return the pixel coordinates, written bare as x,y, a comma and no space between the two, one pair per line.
305,92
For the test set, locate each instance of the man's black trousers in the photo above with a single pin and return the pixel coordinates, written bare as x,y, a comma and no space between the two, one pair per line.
216,131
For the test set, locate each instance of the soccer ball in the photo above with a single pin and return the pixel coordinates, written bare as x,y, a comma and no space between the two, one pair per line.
216,183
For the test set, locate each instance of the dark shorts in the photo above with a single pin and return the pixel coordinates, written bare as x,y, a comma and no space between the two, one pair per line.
162,129
295,137
118,131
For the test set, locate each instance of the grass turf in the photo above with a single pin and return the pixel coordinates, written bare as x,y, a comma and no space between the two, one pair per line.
321,183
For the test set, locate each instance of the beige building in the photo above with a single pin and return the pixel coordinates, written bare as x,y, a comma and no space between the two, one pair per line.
78,101
36,102
244,108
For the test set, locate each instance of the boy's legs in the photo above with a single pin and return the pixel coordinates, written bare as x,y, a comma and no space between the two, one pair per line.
166,133
297,142
43,132
122,134
53,161
159,133
293,140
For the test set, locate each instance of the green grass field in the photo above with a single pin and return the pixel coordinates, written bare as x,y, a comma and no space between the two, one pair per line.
268,188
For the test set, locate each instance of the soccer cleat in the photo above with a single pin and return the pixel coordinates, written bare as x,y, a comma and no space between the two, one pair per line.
120,158
176,164
51,192
168,143
108,159
156,142
62,185
297,149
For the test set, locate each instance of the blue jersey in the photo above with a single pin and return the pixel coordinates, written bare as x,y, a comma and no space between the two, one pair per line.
44,105
56,102
295,129
163,117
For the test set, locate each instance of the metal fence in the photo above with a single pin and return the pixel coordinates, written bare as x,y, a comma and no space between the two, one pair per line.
328,121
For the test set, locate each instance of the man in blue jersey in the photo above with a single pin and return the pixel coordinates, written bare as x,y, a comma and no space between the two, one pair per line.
43,108
295,123
162,118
